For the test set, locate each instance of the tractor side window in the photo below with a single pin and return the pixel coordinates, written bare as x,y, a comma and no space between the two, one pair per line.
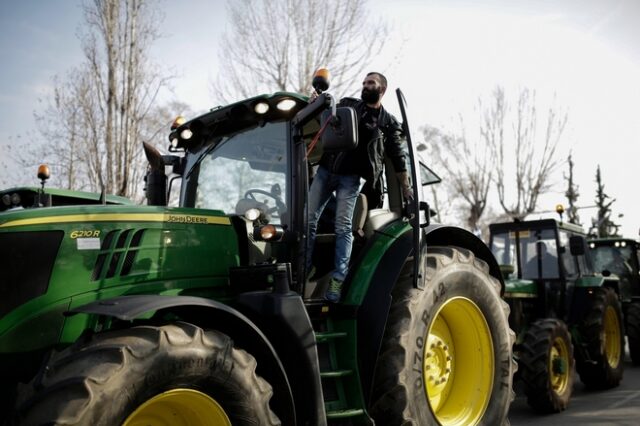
539,254
503,246
247,170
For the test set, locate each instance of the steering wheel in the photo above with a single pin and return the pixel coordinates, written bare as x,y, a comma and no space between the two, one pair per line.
274,211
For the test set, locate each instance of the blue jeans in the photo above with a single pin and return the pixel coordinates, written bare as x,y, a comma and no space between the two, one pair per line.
346,188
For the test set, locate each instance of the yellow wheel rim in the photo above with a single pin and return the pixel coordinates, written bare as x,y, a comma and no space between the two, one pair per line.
179,407
559,366
612,346
458,365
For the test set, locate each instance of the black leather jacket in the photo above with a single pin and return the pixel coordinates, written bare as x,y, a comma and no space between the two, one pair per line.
386,140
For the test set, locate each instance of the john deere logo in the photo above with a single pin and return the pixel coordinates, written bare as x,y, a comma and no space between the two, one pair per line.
187,219
84,234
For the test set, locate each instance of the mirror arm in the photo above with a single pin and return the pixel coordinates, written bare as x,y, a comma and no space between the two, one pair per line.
313,109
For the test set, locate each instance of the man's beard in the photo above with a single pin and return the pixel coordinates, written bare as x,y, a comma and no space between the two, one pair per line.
370,96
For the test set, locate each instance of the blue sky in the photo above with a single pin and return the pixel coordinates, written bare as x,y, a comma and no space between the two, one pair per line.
587,52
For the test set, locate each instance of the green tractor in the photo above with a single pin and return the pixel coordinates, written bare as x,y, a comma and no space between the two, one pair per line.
565,316
33,197
621,256
202,314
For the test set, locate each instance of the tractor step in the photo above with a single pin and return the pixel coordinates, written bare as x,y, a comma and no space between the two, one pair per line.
344,414
339,368
334,374
326,336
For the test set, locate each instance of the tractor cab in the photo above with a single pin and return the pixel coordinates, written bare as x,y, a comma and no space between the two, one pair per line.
544,255
253,162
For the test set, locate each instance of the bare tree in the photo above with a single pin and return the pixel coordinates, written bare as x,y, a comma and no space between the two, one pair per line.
466,162
572,195
103,109
602,226
534,149
278,44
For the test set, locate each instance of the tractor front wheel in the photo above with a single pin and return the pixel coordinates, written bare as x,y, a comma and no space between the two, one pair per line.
602,332
446,356
175,374
547,366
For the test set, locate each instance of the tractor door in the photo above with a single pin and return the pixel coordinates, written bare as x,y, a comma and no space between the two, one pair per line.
416,211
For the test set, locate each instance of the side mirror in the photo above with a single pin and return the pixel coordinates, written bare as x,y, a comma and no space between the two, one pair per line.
506,270
341,134
576,245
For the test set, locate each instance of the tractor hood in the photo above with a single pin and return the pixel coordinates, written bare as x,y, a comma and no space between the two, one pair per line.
94,252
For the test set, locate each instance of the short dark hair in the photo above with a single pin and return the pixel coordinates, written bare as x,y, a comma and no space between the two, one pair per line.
383,79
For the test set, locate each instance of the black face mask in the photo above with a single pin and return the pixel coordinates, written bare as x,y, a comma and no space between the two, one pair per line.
370,96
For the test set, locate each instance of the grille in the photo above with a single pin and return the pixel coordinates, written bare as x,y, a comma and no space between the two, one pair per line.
117,260
26,262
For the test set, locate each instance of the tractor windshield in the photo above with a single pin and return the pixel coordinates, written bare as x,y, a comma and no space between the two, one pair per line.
537,250
244,170
616,260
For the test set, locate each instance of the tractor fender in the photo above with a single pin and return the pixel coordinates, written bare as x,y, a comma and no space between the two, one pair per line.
372,314
598,281
445,235
209,314
582,287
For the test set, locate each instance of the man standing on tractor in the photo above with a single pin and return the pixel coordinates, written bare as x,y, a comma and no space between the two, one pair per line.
378,133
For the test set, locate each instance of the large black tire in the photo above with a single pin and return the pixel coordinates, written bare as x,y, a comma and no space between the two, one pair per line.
546,365
602,331
106,379
446,356
632,322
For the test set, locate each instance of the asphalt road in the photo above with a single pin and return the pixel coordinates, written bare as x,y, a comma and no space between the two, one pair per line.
617,406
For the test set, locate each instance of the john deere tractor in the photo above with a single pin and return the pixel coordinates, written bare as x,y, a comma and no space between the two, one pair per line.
28,197
621,257
565,315
204,314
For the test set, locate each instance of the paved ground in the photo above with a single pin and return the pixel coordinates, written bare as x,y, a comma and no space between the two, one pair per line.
618,406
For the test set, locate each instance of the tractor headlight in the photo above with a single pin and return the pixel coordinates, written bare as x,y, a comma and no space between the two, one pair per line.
252,214
286,104
186,134
261,108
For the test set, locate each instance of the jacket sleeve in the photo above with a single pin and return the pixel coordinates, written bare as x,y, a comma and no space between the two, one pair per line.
393,144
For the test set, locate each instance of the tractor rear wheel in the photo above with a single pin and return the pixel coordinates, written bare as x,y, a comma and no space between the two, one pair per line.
446,356
602,332
547,366
176,374
633,331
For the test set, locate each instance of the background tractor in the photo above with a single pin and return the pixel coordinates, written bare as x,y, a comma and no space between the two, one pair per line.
203,313
565,315
33,197
621,256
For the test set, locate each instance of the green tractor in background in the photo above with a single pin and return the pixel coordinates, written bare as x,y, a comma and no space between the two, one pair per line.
621,256
566,317
33,197
202,314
